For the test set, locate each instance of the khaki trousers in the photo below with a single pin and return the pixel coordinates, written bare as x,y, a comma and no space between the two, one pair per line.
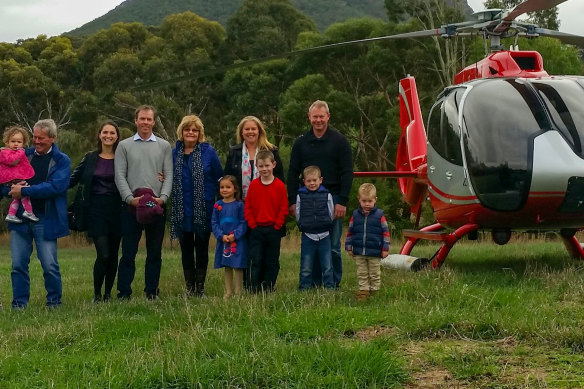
368,272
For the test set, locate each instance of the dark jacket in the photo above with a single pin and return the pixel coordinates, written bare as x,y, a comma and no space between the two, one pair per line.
314,215
233,163
54,192
83,176
367,233
332,154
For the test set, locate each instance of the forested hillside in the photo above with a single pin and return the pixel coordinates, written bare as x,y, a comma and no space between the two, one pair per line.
108,74
152,12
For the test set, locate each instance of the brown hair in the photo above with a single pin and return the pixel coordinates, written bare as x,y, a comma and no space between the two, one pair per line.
263,143
189,121
233,180
144,107
10,131
265,154
107,123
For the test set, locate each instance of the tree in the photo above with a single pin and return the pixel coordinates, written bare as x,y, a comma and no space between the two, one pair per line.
261,28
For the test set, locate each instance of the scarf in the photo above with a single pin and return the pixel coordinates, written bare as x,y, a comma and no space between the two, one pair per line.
199,206
246,172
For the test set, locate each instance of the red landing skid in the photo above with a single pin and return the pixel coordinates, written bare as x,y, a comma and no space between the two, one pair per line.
572,244
434,232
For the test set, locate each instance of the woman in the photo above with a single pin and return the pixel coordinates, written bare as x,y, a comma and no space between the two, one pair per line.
197,171
251,137
102,206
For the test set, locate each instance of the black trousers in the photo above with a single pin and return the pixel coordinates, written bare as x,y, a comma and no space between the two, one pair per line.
264,258
194,247
131,235
106,263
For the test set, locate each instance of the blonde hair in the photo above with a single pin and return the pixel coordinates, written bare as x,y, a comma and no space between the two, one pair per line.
263,143
311,170
187,122
367,189
11,131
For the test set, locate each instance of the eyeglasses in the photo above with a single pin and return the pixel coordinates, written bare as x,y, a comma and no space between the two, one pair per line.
191,130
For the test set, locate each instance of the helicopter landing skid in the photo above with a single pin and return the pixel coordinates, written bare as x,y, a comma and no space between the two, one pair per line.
436,232
572,244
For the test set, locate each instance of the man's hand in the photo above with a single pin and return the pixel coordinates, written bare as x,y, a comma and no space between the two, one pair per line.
292,210
134,202
161,176
159,201
16,191
340,211
350,252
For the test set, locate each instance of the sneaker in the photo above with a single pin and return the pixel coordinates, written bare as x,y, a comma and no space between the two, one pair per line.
30,216
13,219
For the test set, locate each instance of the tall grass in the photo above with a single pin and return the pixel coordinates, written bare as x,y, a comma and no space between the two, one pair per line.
493,316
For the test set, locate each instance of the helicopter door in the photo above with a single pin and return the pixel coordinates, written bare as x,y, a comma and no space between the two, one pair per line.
501,117
445,163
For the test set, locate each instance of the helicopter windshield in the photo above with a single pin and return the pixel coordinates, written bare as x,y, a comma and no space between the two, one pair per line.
501,117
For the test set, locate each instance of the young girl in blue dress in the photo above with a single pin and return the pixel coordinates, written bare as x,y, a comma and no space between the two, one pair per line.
229,228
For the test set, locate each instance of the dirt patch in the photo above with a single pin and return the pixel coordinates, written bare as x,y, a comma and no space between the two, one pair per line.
436,378
369,333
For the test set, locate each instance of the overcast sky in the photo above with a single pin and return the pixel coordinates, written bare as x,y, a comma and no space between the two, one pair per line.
21,19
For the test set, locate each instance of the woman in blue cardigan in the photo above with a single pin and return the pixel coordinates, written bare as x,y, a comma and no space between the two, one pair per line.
197,171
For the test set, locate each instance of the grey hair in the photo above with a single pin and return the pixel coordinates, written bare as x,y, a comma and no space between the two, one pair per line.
319,104
48,126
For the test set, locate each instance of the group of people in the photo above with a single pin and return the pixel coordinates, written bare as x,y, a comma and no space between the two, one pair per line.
124,187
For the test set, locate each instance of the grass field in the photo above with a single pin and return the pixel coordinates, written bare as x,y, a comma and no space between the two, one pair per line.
492,317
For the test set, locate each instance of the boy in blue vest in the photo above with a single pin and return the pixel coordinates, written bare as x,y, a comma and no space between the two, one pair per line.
367,241
315,211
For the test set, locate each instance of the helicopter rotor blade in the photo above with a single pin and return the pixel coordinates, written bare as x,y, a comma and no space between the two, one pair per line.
526,6
415,34
570,39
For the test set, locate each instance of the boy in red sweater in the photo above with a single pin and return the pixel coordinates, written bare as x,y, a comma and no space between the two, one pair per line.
266,207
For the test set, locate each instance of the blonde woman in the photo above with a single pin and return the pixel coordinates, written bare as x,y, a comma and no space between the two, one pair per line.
196,175
251,138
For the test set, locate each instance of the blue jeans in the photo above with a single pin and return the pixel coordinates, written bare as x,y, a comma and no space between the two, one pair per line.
310,249
335,233
21,250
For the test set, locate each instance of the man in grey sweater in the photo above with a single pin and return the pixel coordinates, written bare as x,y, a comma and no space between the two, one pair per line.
138,162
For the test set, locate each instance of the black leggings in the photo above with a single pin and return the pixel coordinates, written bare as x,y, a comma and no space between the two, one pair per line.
106,263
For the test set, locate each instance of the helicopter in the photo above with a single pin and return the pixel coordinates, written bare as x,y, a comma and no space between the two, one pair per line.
502,149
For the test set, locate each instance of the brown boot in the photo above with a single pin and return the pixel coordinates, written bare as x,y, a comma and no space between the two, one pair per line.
362,295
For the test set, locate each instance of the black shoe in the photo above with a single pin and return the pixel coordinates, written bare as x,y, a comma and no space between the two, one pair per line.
151,297
96,299
107,297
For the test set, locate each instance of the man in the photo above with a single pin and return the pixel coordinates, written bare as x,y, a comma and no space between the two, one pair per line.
47,190
138,161
328,149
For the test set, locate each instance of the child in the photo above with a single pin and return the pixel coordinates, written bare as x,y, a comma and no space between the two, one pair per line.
228,223
367,241
266,207
15,167
315,212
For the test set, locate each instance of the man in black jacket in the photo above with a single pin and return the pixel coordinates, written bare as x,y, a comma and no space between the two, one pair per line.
328,149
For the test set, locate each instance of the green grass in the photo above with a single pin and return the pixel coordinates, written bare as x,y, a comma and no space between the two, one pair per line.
493,317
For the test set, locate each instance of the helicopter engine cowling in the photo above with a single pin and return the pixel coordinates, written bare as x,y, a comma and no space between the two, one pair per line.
411,150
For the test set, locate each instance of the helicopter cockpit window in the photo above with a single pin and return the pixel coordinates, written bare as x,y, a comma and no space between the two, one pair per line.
443,130
501,117
564,99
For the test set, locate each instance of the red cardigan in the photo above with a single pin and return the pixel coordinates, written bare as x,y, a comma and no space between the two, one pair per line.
266,205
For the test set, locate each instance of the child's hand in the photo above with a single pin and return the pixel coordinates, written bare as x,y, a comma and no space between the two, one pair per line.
15,162
225,239
384,254
231,237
